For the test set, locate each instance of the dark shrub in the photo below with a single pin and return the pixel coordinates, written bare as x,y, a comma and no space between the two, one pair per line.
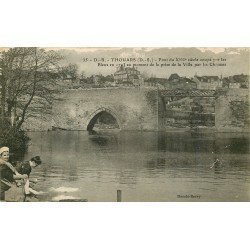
16,140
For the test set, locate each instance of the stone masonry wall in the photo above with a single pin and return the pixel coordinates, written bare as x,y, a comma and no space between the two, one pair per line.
134,109
232,110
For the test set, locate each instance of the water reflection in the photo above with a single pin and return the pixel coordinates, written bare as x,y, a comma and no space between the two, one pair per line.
99,140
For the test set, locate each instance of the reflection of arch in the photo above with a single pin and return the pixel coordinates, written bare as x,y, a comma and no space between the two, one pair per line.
94,117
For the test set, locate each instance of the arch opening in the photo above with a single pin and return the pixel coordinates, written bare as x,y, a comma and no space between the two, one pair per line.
103,120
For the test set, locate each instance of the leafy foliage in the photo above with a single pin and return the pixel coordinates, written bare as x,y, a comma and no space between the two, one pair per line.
17,141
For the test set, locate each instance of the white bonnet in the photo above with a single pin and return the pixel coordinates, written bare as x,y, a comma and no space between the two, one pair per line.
4,149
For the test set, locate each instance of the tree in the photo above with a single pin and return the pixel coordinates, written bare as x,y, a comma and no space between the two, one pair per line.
28,84
82,75
70,72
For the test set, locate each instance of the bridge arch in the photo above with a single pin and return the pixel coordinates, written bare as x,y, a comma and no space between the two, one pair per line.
91,121
132,108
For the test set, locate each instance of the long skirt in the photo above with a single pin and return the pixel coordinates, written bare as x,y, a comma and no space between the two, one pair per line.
2,195
15,194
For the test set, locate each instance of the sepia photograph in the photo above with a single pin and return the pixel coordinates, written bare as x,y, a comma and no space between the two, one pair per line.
124,124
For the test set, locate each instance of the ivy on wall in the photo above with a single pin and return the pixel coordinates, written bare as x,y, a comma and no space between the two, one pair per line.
240,111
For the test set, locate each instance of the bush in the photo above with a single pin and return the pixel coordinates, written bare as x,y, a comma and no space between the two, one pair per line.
16,140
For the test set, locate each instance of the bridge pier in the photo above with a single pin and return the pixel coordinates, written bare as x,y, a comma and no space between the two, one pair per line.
232,110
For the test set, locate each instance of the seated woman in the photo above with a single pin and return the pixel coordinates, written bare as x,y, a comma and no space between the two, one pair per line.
8,174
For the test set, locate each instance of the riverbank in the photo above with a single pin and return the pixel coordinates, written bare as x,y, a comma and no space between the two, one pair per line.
168,129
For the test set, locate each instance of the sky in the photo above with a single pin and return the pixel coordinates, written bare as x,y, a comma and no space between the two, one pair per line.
236,60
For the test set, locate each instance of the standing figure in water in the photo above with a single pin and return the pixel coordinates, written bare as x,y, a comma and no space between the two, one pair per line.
216,163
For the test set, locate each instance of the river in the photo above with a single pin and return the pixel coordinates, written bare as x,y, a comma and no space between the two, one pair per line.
146,166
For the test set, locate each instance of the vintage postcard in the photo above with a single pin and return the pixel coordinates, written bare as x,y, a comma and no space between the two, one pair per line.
124,124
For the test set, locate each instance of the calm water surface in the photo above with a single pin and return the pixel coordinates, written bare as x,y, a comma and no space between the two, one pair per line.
146,166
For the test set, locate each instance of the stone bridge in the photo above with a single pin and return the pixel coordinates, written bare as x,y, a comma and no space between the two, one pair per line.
133,108
142,108
187,92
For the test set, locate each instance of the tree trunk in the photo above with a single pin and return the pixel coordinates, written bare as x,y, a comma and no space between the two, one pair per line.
31,96
3,102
